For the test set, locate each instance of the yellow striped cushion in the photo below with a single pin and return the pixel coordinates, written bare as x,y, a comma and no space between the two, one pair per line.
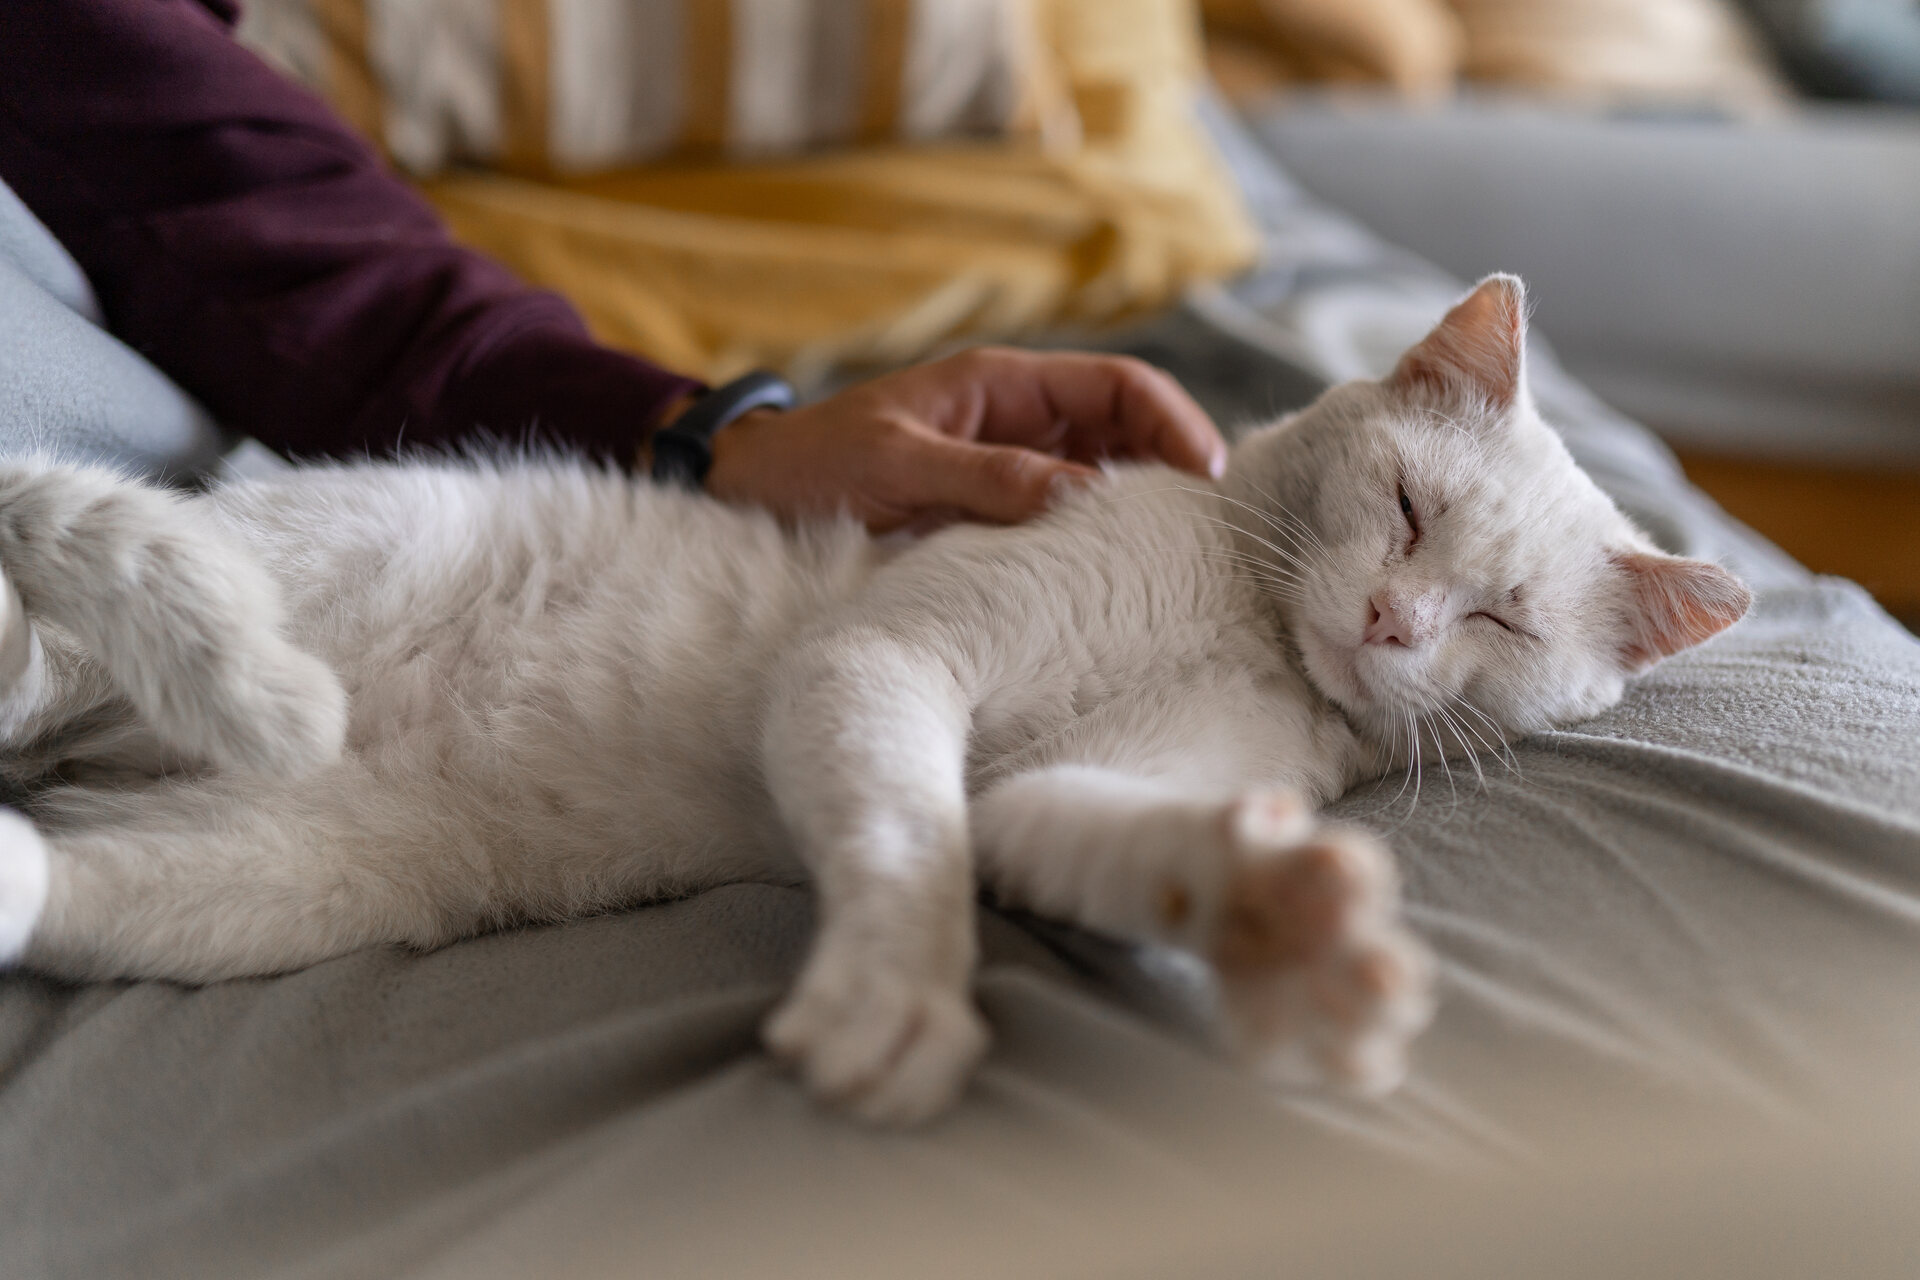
871,256
576,86
867,255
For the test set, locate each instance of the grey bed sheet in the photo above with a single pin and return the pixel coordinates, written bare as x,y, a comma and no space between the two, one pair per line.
1687,926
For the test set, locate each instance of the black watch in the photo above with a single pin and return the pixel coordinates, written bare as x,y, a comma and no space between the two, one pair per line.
683,452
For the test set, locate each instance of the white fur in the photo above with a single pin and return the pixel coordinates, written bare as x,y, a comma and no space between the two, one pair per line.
405,703
23,883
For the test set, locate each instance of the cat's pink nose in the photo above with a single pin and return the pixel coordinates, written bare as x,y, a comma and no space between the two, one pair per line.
1386,624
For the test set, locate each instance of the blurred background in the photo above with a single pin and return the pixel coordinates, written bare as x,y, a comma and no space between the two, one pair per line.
1716,202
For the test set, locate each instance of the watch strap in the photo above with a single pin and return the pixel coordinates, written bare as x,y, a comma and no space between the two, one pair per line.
683,452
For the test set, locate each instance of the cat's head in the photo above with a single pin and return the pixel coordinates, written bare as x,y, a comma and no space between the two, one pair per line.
1437,552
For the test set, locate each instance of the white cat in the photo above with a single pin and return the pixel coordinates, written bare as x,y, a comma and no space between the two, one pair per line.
406,703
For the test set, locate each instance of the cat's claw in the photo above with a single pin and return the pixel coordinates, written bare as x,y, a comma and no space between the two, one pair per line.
885,1048
1320,980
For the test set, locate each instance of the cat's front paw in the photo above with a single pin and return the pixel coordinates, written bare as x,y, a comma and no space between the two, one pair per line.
886,1047
1320,979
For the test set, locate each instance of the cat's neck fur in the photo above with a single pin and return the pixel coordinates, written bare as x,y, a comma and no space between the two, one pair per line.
1183,595
1263,534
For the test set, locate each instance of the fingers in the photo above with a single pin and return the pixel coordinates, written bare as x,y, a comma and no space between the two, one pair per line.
888,469
1002,483
978,433
1113,406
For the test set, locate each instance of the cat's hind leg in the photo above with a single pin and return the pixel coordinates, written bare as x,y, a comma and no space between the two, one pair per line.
204,880
23,883
1318,979
178,612
60,714
23,664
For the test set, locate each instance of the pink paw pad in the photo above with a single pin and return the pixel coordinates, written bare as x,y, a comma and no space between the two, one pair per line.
1285,908
1318,976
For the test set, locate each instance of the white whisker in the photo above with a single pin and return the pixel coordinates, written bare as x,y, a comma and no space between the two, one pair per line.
1440,746
1505,748
1300,528
1452,725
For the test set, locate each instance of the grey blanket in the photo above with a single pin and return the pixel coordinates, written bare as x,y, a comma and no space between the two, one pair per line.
1698,914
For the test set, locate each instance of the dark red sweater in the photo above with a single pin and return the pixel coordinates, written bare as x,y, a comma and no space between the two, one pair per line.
244,240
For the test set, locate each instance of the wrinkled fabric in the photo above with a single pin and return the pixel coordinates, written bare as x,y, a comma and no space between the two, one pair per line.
69,385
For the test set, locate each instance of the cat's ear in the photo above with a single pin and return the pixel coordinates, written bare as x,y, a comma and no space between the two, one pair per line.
1674,604
1476,355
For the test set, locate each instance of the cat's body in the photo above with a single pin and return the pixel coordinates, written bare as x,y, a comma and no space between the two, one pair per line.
565,692
546,667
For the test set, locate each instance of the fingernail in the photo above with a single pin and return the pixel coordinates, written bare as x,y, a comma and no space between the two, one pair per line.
1217,465
1064,484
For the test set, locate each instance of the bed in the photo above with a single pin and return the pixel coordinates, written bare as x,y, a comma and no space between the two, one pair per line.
1680,989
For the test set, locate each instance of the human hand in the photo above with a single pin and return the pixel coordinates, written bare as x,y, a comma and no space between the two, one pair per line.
992,433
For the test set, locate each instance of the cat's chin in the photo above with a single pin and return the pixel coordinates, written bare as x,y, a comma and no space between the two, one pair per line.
1334,669
1339,672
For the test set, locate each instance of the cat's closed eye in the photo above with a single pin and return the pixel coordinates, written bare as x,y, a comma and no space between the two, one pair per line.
1413,520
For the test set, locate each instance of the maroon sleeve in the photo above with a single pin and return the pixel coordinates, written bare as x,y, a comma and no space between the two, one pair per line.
244,240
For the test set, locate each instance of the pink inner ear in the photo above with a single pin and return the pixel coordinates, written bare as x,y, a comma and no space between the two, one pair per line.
1476,352
1676,604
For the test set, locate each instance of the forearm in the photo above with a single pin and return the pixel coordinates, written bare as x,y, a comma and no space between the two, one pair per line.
244,240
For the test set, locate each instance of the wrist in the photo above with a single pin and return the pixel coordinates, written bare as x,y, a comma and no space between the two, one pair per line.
729,477
682,450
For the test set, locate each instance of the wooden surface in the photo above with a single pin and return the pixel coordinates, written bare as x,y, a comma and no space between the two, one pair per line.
1863,525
